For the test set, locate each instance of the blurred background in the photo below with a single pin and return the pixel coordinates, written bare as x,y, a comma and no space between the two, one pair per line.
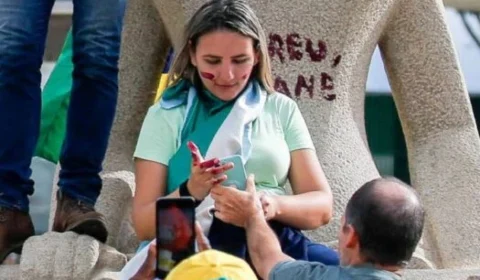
383,127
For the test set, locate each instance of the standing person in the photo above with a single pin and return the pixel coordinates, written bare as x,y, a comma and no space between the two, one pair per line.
96,44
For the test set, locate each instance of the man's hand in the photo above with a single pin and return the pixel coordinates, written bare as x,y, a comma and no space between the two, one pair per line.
269,206
234,206
147,270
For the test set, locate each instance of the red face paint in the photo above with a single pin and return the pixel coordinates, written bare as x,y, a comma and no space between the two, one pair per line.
207,75
244,77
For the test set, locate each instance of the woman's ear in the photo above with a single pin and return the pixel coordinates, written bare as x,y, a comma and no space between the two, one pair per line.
256,58
191,51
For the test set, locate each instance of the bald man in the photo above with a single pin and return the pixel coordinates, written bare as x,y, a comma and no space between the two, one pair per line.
381,227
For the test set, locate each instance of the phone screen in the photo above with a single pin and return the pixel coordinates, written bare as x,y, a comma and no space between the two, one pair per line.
235,176
175,232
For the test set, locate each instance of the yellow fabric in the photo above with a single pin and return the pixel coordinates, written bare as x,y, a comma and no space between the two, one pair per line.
162,85
210,265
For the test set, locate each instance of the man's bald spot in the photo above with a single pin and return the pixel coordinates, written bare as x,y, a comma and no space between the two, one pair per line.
393,191
388,218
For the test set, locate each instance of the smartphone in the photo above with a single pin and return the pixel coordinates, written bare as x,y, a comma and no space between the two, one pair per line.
175,225
237,175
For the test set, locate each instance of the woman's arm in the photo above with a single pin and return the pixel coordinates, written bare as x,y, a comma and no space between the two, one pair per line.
311,204
150,180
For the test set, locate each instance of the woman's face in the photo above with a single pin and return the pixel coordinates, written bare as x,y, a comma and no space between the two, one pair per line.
224,61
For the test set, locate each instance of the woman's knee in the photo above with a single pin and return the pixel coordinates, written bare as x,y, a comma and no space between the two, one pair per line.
323,254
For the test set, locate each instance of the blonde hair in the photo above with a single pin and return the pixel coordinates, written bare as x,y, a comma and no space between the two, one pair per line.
232,15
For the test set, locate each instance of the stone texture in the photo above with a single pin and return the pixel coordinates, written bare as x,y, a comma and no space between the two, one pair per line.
8,272
64,256
333,42
450,274
67,256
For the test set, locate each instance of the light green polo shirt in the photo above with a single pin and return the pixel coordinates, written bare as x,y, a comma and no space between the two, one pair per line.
279,130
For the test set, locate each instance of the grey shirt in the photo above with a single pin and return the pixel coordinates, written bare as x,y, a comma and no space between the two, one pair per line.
303,270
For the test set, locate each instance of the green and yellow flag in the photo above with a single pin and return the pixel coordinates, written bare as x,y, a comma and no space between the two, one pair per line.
56,99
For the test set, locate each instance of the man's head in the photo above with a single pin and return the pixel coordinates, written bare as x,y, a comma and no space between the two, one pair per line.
382,225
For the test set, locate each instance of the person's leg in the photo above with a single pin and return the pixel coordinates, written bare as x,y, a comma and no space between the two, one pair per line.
295,244
321,253
23,29
96,45
228,238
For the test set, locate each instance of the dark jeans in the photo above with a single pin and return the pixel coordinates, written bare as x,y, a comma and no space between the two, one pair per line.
96,44
231,239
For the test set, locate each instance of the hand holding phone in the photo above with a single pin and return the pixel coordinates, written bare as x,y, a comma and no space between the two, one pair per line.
237,175
175,235
204,173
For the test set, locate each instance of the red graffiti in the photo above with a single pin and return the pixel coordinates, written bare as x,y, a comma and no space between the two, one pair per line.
292,46
336,61
302,84
295,47
319,54
280,85
275,46
326,82
317,51
330,96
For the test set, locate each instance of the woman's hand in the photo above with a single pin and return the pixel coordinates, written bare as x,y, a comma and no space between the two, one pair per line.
234,206
269,206
204,174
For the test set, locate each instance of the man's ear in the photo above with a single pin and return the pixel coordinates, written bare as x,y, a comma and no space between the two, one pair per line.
351,237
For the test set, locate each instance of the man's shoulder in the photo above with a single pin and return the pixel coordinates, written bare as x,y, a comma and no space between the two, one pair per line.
369,272
304,270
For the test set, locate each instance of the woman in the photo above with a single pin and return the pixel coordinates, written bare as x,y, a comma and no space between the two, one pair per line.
221,102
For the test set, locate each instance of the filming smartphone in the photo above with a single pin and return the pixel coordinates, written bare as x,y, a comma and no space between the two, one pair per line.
237,175
175,227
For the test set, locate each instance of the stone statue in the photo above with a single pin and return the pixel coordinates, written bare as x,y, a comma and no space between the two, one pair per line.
320,52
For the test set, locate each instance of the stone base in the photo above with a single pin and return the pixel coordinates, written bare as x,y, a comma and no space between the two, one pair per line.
64,256
443,274
8,272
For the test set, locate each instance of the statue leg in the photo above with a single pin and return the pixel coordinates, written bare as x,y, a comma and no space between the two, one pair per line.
143,52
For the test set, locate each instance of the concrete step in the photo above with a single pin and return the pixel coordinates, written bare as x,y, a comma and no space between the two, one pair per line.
442,274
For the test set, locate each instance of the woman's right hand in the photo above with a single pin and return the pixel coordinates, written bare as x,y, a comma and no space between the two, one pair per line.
204,174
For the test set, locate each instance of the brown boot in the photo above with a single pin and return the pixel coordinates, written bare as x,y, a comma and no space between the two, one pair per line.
77,216
15,227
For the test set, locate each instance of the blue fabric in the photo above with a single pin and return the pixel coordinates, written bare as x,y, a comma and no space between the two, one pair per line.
142,245
96,45
231,239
